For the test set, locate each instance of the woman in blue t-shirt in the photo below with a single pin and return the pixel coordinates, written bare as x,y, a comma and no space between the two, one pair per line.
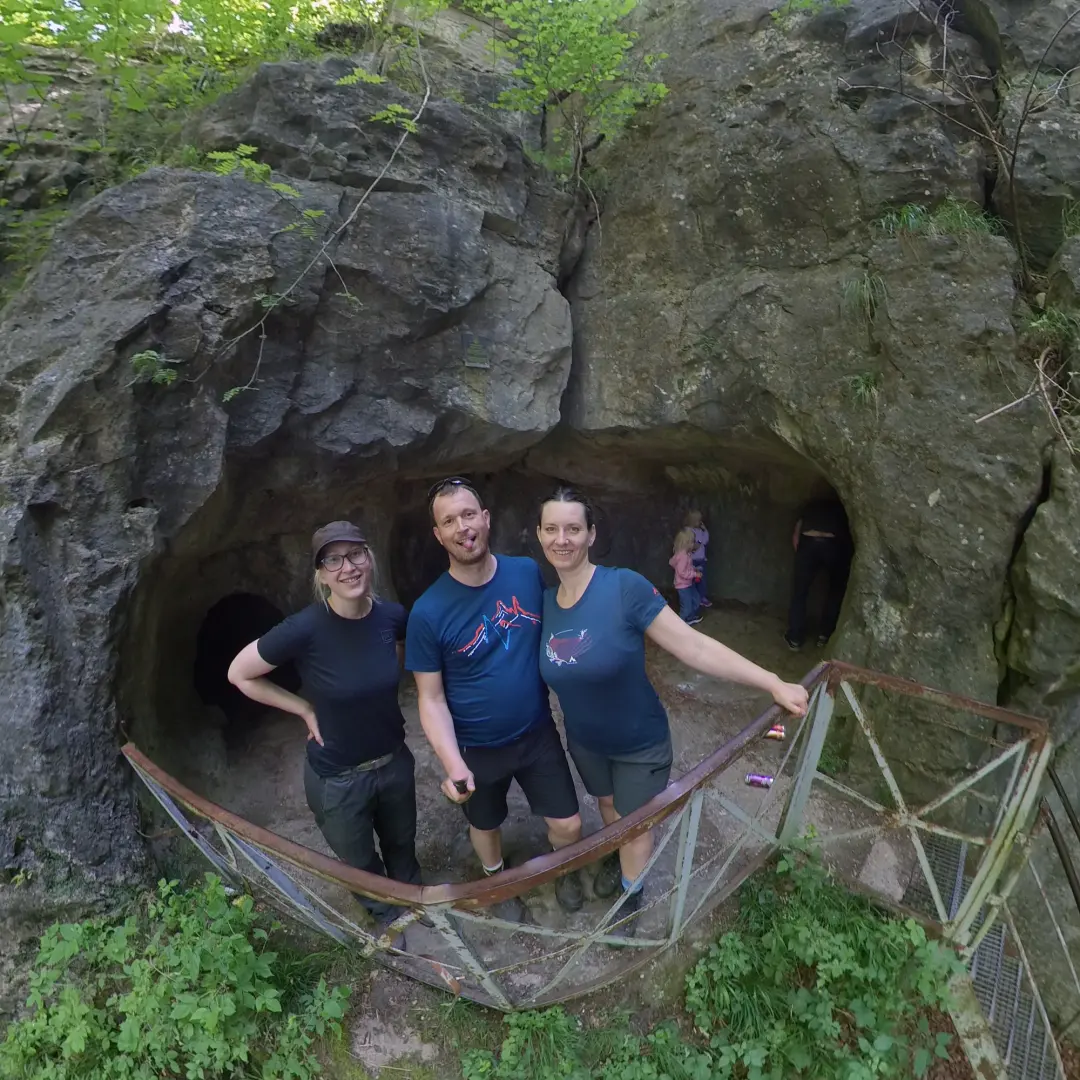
593,657
358,773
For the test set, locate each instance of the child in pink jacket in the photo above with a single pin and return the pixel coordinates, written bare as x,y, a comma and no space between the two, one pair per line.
686,576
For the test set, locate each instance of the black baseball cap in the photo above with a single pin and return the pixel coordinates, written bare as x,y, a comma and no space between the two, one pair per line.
332,533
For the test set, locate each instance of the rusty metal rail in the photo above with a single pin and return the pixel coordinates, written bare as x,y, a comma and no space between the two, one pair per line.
712,832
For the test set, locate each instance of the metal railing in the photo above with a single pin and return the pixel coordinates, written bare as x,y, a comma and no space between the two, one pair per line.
712,833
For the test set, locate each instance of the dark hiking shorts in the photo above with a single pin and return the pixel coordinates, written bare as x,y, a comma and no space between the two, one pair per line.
632,778
537,761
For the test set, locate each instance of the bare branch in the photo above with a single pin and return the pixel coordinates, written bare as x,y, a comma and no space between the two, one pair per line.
260,326
990,138
1012,405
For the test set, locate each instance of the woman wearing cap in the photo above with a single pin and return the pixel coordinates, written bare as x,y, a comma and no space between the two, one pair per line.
358,775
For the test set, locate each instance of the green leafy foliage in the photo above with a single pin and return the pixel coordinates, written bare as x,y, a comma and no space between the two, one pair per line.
186,987
150,366
816,982
359,75
791,8
574,56
26,237
396,115
243,160
155,59
812,983
1070,219
549,1045
1054,328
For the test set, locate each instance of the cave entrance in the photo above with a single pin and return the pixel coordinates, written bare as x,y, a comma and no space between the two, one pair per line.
215,591
227,627
415,557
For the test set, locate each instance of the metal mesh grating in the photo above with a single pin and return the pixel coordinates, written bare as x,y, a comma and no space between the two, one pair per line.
946,859
1002,984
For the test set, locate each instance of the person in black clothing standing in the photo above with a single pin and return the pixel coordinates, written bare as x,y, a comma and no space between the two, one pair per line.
359,774
822,543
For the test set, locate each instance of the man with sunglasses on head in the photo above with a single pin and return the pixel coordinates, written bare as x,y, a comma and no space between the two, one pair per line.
473,646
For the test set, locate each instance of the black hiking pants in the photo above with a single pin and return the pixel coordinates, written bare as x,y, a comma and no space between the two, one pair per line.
816,555
354,807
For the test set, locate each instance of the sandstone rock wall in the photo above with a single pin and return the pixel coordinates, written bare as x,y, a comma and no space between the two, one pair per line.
429,337
741,332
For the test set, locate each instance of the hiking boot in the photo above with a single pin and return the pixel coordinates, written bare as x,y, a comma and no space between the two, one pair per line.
511,910
382,925
631,905
569,893
608,877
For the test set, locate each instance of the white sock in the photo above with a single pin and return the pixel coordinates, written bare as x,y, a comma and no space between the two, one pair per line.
489,870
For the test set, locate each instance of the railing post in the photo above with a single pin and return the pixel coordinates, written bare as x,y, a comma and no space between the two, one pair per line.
821,710
1022,805
466,954
684,862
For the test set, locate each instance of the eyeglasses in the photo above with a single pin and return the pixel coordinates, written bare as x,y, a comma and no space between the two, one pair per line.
451,482
358,558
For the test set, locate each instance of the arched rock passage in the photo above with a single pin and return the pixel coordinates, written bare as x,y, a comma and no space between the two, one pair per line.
216,588
229,625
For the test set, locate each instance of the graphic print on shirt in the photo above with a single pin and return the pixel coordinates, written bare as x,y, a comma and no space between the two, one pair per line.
498,627
565,647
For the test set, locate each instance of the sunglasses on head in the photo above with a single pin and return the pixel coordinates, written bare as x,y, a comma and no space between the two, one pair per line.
450,482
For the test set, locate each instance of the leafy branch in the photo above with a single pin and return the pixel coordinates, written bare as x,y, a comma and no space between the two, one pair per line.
271,302
576,59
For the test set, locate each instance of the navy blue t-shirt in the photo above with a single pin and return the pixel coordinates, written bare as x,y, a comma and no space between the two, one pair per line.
350,674
484,639
593,657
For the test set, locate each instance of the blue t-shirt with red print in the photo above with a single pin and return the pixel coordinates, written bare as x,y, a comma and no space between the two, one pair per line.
483,639
593,656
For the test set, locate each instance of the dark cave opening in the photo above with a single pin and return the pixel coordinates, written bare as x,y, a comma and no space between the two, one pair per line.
215,590
229,625
750,505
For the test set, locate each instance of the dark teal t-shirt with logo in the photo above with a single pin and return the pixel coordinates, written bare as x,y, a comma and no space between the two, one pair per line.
593,657
484,640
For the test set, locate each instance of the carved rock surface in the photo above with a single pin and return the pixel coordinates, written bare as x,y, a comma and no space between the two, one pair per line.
421,339
741,328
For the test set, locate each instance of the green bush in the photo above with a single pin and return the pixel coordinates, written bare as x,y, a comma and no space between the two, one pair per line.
186,987
817,982
813,983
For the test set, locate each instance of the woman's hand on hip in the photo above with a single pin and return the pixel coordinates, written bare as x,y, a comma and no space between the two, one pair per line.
792,697
452,787
313,728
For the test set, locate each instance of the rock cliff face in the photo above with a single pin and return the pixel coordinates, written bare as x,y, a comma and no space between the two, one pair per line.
741,333
430,337
741,294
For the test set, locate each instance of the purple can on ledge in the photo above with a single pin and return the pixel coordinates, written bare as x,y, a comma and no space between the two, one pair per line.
758,780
